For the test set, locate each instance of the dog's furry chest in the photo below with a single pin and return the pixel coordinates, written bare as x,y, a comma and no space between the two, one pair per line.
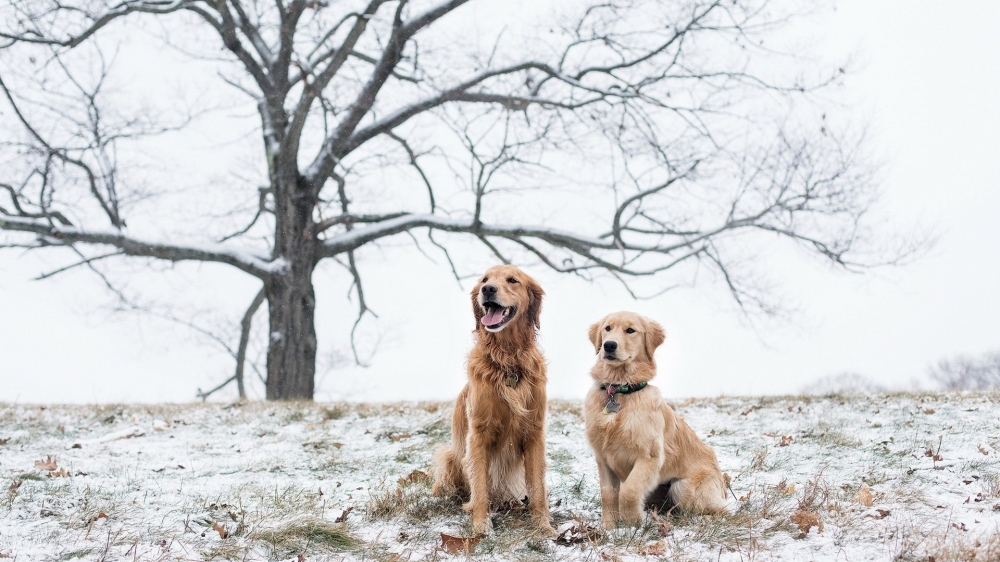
627,435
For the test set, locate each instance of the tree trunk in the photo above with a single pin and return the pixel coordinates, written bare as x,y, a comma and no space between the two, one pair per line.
291,353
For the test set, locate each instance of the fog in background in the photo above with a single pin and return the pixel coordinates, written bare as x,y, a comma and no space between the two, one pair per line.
926,77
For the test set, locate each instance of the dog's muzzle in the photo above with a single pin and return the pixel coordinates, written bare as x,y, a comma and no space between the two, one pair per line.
496,315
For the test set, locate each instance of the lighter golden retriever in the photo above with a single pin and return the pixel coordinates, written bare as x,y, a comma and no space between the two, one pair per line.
497,451
642,446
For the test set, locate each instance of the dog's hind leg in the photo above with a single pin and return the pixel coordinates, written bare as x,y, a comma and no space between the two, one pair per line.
701,493
449,477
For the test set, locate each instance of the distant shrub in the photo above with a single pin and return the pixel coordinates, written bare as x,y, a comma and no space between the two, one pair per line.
967,373
843,383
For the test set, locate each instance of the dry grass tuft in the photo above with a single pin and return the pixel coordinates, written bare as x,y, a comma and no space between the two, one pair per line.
312,533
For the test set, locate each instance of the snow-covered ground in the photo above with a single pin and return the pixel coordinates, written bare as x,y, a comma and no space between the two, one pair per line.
898,477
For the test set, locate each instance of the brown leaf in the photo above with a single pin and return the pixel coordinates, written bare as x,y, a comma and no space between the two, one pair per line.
786,440
806,520
663,526
48,464
458,545
61,473
97,518
413,478
5,554
343,516
658,548
300,558
399,436
579,532
221,529
864,496
983,451
928,410
610,557
746,497
748,410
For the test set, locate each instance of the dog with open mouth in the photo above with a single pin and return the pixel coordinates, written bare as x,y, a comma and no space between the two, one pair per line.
497,451
646,454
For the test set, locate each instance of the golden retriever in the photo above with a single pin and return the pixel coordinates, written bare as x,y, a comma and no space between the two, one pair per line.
642,447
497,451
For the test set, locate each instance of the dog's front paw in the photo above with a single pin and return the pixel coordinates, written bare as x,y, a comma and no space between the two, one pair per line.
482,526
632,516
545,528
608,523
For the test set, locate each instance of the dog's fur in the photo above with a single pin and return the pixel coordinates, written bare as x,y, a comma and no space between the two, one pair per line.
645,447
497,453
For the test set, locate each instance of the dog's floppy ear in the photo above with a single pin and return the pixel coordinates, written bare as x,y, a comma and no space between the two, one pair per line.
477,310
535,294
595,335
653,337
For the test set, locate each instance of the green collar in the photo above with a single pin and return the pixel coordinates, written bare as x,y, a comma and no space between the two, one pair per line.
623,388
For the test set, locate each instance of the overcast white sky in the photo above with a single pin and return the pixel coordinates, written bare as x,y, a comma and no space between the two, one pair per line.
929,82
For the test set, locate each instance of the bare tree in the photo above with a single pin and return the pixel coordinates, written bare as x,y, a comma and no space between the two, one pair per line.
968,373
627,137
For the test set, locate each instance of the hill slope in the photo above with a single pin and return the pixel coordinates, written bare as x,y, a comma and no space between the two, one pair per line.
898,477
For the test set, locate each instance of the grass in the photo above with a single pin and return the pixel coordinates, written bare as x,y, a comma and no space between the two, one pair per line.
312,534
277,478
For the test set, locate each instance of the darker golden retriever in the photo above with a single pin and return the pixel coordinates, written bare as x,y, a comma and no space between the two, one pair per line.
497,451
641,445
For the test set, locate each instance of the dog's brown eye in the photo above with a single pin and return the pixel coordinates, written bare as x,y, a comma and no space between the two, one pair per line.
630,331
511,280
607,328
485,279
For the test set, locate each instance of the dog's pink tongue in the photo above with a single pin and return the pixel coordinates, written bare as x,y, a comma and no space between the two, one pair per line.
494,317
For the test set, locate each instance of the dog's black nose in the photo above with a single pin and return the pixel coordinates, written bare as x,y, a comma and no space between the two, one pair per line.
489,290
610,346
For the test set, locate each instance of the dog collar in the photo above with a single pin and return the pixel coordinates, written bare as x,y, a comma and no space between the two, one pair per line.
613,389
511,376
612,405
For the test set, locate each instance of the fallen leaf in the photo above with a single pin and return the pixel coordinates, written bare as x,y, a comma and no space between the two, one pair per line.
337,444
97,518
929,452
399,436
300,558
578,532
457,545
784,488
960,526
928,410
221,529
4,441
5,554
609,557
48,464
343,516
786,440
663,526
883,513
658,548
746,497
806,520
413,478
864,496
748,410
61,473
983,451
